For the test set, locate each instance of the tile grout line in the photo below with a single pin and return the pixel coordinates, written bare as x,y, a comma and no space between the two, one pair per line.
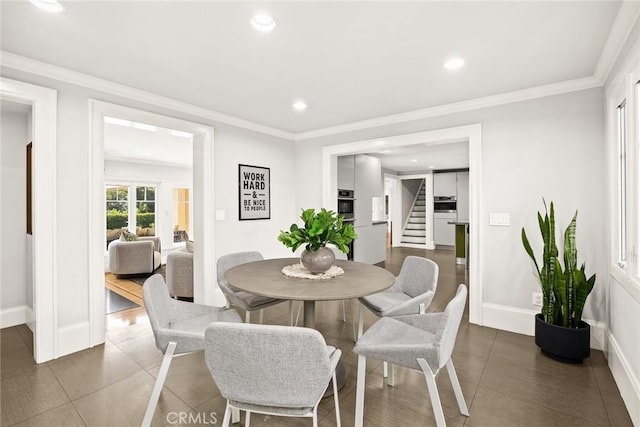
486,363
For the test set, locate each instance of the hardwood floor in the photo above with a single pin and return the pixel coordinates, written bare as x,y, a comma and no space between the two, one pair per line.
129,290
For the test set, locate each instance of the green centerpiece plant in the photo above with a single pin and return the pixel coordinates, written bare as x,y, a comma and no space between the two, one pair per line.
319,229
565,289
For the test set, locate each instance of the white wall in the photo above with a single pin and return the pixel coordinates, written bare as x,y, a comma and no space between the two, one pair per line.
623,349
549,147
15,292
143,172
245,147
410,189
231,146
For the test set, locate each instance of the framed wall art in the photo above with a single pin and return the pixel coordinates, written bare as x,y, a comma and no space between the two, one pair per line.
254,190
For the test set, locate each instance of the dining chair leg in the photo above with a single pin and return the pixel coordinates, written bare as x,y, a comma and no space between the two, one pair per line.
157,388
290,312
247,316
430,377
335,399
247,419
462,405
261,320
362,370
360,322
315,417
227,416
390,380
235,415
344,313
298,315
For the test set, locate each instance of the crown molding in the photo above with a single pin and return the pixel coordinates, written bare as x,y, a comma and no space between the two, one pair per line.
458,107
628,14
28,65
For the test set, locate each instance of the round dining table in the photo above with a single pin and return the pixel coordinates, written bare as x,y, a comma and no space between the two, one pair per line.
265,278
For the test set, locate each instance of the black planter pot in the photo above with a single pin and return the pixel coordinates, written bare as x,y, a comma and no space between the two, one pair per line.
569,345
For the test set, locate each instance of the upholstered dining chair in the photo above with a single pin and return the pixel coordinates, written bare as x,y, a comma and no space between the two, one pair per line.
244,300
411,293
269,369
178,328
418,341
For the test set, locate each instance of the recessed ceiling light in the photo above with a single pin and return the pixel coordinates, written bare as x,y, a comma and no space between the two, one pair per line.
432,167
385,151
299,106
414,160
263,23
51,6
454,64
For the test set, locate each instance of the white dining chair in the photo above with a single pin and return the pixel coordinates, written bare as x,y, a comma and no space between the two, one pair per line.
423,342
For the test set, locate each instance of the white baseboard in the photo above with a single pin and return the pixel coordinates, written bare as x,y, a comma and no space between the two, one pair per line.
73,338
15,316
506,318
625,379
522,321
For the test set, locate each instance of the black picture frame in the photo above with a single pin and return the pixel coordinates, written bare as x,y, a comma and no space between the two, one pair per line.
254,192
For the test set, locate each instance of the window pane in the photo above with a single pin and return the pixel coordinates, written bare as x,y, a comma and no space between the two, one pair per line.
622,184
145,211
117,210
180,214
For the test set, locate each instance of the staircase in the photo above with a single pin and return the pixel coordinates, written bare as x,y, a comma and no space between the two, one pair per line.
414,232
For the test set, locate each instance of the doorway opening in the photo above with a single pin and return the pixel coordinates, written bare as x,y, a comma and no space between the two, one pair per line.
470,134
41,275
154,196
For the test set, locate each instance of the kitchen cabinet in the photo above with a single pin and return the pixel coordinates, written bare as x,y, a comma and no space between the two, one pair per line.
444,233
370,247
346,172
462,195
444,184
368,184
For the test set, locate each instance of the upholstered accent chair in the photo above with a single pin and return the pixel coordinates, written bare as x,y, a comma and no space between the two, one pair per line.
417,341
136,257
180,273
178,328
269,369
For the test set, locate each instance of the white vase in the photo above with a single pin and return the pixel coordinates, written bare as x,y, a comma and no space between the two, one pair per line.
318,261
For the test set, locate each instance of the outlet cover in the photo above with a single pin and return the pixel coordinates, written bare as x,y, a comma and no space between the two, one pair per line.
537,299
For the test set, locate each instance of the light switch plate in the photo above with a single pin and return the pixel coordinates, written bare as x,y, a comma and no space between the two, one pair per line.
499,219
220,215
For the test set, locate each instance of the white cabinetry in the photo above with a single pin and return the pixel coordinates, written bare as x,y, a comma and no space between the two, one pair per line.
368,184
444,184
370,246
346,173
463,196
444,233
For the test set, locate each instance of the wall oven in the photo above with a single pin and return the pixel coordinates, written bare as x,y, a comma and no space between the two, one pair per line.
444,204
345,203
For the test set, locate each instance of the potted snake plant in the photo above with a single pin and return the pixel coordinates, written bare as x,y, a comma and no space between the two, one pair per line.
560,331
319,229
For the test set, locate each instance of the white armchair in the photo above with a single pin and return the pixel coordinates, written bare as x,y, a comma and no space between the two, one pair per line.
137,257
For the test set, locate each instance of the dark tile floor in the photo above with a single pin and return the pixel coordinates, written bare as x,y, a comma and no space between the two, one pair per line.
505,379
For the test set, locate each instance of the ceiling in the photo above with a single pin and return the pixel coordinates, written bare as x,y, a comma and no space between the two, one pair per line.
14,107
350,61
423,157
140,143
